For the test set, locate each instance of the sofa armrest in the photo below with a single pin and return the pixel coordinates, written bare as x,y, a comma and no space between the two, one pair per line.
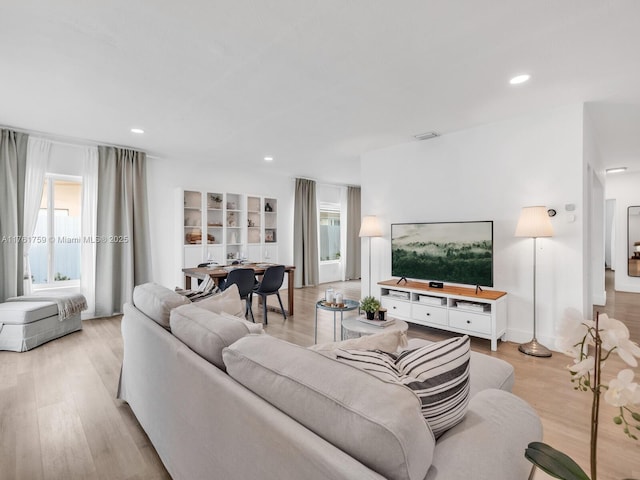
489,442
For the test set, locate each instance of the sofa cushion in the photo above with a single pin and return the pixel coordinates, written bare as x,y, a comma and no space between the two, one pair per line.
389,342
500,426
228,301
251,326
205,332
438,373
156,301
376,422
20,313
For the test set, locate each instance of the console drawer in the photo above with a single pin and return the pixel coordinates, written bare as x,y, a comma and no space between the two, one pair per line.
396,307
429,314
473,322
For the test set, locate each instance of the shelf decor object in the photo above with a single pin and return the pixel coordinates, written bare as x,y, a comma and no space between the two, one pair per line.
534,223
370,228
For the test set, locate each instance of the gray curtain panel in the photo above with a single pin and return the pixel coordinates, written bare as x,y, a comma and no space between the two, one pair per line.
122,248
352,266
13,161
305,234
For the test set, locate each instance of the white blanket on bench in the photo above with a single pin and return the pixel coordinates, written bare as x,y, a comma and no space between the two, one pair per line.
69,304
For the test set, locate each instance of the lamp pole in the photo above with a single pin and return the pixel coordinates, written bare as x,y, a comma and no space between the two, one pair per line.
534,222
370,228
369,266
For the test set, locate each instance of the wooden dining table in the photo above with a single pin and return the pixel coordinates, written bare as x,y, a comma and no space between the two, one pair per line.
218,272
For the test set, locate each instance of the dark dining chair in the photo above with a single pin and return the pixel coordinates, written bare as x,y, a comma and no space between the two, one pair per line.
270,285
245,279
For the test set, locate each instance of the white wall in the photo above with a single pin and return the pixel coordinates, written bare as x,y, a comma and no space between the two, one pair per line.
610,233
624,189
166,176
489,173
594,224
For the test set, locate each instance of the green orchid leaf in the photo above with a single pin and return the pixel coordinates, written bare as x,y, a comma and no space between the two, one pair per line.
554,462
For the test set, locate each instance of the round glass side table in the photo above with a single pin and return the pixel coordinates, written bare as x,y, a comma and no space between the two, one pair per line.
322,305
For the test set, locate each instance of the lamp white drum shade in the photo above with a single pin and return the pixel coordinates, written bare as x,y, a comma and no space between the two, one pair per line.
370,227
534,222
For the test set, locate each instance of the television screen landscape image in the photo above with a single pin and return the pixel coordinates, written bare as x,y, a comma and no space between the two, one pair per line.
452,252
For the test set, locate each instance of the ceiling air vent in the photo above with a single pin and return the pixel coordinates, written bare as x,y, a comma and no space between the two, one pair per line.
426,136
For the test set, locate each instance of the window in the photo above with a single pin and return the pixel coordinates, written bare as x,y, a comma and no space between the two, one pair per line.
329,234
55,253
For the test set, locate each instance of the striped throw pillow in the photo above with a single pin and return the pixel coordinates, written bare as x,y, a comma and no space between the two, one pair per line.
438,373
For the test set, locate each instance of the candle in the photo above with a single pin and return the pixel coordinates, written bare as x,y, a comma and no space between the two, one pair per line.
328,296
339,300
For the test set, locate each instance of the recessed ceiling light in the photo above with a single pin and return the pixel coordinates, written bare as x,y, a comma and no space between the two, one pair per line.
268,159
616,170
137,130
519,79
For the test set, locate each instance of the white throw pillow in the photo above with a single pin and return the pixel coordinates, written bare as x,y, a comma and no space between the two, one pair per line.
438,373
386,341
228,301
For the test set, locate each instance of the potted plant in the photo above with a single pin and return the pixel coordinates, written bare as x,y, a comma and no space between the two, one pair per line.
370,306
590,343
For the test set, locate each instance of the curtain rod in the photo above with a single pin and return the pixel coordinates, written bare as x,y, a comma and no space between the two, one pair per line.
325,183
73,141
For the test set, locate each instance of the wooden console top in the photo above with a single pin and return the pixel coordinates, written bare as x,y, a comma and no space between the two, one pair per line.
447,289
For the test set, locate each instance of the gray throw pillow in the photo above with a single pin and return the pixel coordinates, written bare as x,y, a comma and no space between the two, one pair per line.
228,301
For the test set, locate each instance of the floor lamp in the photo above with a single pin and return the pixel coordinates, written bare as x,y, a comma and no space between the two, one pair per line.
534,222
370,228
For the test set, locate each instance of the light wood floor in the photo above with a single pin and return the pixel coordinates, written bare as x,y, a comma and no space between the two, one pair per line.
59,418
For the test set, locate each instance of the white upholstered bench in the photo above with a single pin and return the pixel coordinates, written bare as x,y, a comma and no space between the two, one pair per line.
26,324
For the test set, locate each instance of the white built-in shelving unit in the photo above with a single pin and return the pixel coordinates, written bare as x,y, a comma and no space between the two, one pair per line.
225,227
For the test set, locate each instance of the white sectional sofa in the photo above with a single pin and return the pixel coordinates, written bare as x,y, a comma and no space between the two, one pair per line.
260,408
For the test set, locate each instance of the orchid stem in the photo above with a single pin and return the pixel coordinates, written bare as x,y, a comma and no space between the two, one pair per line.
595,407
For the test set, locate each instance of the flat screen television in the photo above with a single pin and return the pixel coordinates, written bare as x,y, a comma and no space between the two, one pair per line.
450,252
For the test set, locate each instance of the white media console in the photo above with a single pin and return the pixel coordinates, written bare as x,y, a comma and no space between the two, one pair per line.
456,309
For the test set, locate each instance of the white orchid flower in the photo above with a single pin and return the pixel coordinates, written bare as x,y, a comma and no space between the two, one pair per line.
612,331
627,351
615,334
582,368
571,332
622,390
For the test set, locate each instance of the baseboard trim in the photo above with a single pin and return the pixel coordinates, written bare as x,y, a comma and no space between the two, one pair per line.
600,299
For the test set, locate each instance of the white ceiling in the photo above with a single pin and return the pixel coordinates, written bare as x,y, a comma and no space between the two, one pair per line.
313,83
